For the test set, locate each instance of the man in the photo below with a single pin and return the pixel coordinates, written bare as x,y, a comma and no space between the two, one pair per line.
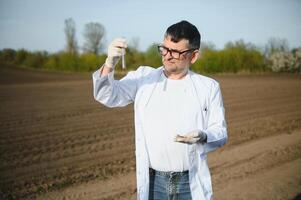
179,116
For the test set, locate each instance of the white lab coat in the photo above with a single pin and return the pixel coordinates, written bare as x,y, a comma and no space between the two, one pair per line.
137,87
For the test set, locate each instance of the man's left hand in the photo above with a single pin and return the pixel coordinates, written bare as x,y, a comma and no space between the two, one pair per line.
193,137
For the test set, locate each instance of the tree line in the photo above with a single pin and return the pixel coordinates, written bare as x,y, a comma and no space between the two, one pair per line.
235,57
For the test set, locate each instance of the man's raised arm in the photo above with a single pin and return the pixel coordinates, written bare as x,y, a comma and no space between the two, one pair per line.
106,90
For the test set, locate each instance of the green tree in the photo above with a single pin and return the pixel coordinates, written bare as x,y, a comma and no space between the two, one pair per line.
36,59
7,55
152,56
21,56
90,61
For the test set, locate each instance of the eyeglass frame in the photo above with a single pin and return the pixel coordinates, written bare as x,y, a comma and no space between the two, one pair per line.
170,51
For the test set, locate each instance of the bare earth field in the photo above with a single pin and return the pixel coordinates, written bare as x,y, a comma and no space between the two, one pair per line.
56,142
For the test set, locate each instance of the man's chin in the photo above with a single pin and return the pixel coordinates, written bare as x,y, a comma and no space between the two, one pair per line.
170,68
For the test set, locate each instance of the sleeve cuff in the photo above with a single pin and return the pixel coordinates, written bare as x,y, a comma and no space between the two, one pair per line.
97,75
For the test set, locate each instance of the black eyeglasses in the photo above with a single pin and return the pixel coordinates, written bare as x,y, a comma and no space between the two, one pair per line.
173,53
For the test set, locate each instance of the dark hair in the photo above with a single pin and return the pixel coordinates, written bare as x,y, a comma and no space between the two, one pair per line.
184,30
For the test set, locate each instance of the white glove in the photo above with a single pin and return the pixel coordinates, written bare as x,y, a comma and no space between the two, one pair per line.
115,50
192,137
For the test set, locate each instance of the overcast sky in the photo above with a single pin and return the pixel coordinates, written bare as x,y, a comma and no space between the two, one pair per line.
39,24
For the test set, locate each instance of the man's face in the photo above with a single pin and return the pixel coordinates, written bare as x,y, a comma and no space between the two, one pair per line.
178,64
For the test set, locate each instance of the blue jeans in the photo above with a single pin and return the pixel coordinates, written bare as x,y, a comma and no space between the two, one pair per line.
169,185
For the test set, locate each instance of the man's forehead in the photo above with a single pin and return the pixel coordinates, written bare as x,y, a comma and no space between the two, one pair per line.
180,43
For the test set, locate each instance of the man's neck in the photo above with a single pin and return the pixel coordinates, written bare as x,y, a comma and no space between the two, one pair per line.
175,76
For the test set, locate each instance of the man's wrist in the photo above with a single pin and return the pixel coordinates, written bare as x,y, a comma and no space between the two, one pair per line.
203,137
105,70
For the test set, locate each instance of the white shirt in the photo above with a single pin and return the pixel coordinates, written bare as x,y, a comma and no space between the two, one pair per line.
171,110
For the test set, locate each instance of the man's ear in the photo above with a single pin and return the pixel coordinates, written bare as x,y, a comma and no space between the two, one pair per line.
195,55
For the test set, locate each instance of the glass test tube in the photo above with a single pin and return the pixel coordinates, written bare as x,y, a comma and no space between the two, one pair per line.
123,59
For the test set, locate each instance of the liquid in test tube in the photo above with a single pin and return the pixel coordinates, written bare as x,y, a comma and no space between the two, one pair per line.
123,59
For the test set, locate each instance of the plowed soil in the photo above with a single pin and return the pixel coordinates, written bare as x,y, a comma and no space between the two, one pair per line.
57,142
